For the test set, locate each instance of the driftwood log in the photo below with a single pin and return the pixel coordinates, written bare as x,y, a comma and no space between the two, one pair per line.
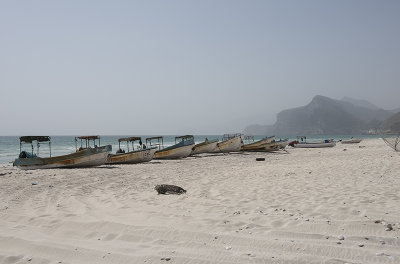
169,189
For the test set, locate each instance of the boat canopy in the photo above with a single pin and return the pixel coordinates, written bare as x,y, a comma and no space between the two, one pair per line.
29,139
129,139
88,137
159,144
87,140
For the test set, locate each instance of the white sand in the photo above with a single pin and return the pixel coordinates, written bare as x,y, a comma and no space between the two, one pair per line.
290,208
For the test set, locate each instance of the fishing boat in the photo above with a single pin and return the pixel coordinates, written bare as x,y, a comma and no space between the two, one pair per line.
230,143
301,142
207,146
256,145
266,145
85,155
138,155
276,145
182,148
351,141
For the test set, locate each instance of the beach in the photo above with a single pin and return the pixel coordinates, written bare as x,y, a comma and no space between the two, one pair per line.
328,205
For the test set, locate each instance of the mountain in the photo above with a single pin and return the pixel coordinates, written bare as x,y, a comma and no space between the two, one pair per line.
362,103
397,110
391,124
324,115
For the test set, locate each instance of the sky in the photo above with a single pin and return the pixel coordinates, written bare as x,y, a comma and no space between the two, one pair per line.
188,67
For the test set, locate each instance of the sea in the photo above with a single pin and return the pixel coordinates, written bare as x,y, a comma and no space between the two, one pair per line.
61,145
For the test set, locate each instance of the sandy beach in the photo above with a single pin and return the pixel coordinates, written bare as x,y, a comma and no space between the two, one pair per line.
305,206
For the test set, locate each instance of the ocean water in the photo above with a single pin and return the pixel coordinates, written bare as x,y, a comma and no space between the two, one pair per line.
60,145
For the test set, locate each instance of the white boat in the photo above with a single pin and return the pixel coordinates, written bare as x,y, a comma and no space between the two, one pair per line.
182,148
85,156
351,141
208,146
229,144
141,154
315,145
301,142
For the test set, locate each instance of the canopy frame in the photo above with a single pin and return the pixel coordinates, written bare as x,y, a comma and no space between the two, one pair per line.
87,140
159,144
31,139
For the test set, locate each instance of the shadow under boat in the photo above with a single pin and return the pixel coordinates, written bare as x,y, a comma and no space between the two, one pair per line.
85,155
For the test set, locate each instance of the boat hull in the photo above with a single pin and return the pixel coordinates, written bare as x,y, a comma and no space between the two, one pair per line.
351,141
315,145
132,157
204,148
174,153
258,144
230,145
267,147
85,158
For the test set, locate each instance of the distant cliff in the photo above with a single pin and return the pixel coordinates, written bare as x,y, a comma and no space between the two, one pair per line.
324,115
392,124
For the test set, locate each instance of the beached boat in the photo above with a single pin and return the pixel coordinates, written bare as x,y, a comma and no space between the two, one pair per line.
182,148
257,145
208,146
351,141
301,142
276,145
138,155
269,144
85,156
230,143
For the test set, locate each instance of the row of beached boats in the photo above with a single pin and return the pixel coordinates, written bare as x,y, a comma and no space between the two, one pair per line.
91,153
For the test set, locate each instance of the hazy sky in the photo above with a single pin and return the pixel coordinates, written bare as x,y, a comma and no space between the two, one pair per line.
177,67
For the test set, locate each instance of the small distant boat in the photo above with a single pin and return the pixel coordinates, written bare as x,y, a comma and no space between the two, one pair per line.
85,156
208,146
351,141
141,154
301,142
230,143
182,148
258,145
